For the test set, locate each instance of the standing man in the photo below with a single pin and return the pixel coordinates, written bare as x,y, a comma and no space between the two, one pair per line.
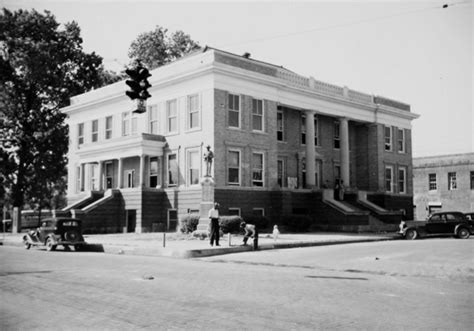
214,216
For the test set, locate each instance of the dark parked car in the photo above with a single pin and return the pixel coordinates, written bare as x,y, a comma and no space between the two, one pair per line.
56,231
441,223
470,216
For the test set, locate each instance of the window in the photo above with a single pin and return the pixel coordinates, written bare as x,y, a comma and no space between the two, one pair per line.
125,123
79,186
95,130
108,127
109,173
134,123
303,130
432,184
172,170
472,180
435,218
316,131
193,112
281,173
257,115
337,173
234,211
233,166
389,178
337,135
80,134
171,116
130,178
234,111
193,167
280,126
258,212
154,172
401,141
153,113
257,169
452,183
388,138
402,180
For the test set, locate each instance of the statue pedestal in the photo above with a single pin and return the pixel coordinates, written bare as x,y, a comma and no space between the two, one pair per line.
207,202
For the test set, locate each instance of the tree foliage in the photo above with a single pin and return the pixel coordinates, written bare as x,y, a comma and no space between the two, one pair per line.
42,65
157,47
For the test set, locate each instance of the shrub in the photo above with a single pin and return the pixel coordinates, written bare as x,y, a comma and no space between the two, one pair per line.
188,223
261,222
201,234
297,223
230,224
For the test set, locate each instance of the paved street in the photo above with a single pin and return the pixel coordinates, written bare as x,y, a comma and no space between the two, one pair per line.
385,285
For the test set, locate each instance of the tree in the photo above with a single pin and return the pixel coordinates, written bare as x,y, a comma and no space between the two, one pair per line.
156,48
42,65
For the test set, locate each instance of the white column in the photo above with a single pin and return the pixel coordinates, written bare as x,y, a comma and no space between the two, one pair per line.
120,173
310,150
344,135
142,171
101,177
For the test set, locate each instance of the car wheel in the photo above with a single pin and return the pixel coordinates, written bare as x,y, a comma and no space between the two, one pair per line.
71,236
411,234
49,245
27,244
463,233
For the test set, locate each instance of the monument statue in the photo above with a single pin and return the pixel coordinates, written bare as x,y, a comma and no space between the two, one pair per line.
208,156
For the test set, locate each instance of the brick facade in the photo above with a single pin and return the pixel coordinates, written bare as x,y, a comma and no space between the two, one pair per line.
211,77
441,195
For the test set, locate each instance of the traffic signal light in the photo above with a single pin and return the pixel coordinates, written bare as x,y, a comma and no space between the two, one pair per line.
138,83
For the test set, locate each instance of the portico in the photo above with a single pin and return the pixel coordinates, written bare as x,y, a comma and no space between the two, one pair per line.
97,164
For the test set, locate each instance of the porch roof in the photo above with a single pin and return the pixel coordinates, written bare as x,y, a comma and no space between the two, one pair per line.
123,147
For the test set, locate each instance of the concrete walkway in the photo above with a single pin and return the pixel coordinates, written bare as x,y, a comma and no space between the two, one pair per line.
183,246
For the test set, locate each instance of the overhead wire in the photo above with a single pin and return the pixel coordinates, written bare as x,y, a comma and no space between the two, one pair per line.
335,26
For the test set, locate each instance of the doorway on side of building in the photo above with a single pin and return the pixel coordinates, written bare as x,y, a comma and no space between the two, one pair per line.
131,220
172,220
433,207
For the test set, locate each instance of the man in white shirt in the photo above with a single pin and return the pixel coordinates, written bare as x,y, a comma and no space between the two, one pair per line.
214,216
250,232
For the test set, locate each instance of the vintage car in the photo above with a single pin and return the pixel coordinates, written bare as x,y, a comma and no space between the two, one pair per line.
56,231
470,216
440,223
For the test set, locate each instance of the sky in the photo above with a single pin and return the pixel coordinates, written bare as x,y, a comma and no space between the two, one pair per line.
416,52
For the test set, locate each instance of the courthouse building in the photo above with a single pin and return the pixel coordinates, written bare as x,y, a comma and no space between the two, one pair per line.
281,142
443,183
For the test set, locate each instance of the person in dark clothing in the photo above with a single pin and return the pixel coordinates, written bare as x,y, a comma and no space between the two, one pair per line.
214,216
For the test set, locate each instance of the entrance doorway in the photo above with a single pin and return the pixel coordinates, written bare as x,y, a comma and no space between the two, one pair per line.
131,220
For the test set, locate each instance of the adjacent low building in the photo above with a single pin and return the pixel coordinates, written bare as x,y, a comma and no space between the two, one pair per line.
443,183
281,142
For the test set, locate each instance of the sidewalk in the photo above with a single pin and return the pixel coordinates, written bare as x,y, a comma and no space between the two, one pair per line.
182,246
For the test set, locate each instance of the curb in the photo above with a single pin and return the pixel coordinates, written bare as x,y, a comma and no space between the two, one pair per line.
206,252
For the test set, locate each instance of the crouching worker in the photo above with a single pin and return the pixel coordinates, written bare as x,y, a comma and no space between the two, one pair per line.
250,232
